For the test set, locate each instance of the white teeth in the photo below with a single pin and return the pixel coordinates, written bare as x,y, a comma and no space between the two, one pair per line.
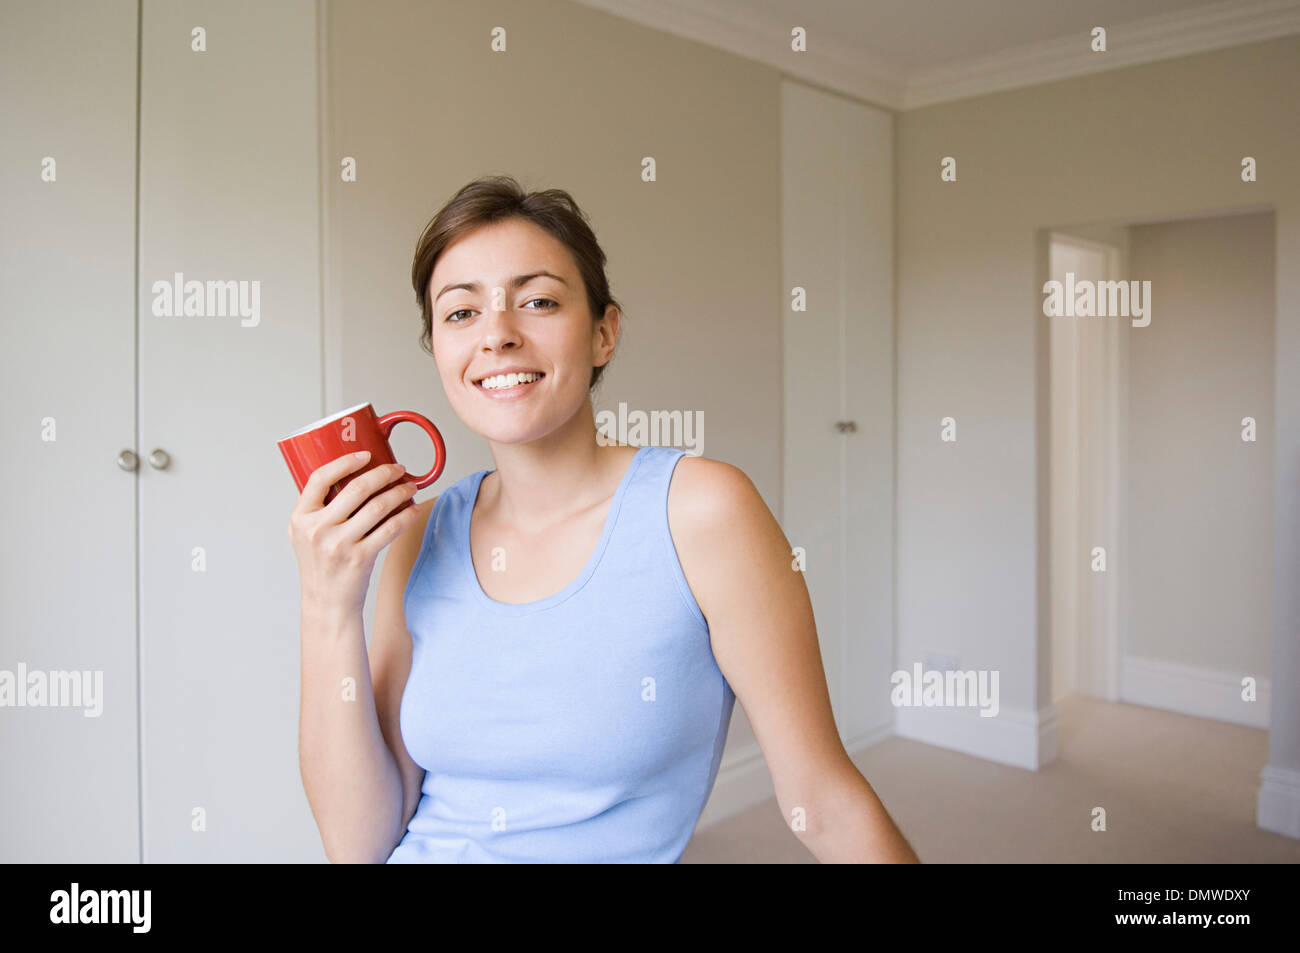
508,380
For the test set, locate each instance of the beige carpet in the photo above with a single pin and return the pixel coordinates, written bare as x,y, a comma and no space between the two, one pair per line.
1176,789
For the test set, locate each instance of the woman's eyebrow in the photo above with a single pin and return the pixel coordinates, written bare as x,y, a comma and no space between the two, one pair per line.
518,281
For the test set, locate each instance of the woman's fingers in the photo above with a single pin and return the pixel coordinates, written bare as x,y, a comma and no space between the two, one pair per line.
366,518
325,476
393,527
361,488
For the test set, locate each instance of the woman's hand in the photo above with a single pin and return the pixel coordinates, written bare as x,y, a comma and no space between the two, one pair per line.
335,554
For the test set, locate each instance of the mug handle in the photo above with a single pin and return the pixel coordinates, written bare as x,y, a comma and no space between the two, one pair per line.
389,421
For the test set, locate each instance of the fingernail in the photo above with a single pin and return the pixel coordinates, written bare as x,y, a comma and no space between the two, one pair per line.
361,454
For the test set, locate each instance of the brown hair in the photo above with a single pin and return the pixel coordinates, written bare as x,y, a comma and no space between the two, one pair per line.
492,199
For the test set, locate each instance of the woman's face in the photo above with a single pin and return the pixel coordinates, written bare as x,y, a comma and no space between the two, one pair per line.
485,321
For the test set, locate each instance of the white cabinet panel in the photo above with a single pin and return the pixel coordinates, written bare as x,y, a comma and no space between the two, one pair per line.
67,372
229,198
837,228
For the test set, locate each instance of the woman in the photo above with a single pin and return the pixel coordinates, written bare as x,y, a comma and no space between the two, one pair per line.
557,640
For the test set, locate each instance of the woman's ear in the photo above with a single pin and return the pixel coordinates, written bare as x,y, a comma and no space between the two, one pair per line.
605,332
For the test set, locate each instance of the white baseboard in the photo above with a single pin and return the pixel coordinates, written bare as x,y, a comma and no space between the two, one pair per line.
1189,690
1019,737
1278,805
744,779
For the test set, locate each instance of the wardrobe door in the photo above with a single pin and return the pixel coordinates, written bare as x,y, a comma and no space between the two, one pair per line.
866,147
837,228
229,211
68,754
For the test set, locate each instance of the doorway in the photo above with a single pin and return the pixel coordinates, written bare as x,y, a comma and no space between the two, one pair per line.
1162,466
1085,465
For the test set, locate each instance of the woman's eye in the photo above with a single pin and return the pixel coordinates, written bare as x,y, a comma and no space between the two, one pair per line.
548,304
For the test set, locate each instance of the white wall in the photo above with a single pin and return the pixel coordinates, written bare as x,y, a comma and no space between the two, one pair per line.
1200,498
972,520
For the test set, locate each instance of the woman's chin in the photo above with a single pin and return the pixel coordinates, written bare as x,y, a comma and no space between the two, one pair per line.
497,433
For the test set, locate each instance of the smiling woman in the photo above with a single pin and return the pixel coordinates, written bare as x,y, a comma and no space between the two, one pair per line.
559,641
496,199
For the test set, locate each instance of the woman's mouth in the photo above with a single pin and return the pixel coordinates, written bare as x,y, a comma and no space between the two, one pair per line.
507,386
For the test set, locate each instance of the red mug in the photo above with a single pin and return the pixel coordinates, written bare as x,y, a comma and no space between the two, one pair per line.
350,431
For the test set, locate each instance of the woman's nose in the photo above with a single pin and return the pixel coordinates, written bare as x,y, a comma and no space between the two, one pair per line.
499,327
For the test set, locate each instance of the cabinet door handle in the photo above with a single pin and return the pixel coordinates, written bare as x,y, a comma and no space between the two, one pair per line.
846,426
159,459
128,461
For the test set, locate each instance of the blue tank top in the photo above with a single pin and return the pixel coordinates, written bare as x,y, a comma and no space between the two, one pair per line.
585,727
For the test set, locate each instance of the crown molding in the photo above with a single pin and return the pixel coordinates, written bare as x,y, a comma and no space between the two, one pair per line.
1214,26
730,25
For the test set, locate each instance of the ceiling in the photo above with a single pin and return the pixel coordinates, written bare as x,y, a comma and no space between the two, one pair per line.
903,54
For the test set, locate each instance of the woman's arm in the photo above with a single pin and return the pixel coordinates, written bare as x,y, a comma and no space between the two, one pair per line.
390,659
738,563
360,782
348,773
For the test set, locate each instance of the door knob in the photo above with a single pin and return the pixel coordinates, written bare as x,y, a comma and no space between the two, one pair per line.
159,459
127,460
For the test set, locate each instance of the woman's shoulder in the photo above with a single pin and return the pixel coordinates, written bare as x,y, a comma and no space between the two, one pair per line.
717,519
702,488
709,499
